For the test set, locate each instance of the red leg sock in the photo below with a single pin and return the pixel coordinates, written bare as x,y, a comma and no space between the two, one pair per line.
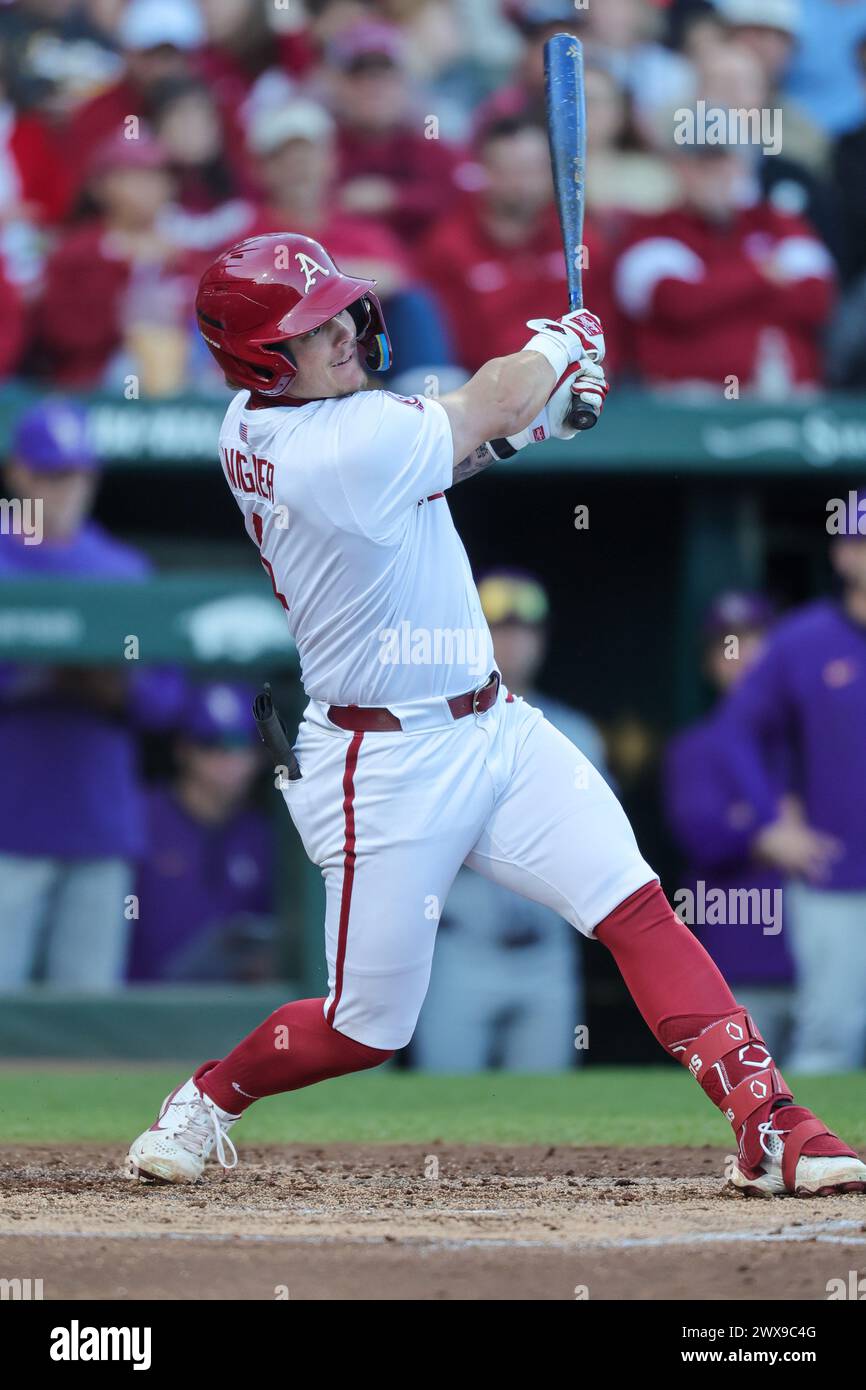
692,1013
294,1047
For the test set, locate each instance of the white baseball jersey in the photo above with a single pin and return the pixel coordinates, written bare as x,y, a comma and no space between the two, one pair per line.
345,500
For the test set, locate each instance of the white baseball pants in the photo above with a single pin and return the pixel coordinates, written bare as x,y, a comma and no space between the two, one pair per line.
389,817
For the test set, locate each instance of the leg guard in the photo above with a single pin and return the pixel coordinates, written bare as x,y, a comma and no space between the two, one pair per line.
731,1063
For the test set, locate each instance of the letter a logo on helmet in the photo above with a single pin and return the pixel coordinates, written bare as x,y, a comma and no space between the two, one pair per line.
265,291
309,266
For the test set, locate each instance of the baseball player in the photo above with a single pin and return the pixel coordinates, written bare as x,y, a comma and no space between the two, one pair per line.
414,757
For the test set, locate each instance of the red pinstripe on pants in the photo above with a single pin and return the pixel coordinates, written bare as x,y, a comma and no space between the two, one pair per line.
348,868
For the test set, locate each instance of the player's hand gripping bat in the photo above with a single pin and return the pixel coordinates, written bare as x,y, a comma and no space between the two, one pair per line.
566,133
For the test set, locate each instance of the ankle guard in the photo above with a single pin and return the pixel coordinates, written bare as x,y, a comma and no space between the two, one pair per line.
730,1061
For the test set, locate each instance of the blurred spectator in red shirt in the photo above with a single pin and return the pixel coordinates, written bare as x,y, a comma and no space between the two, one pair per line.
208,211
249,44
733,78
388,167
722,288
297,161
158,39
186,122
456,50
58,55
536,21
33,177
297,164
621,175
246,39
34,188
497,259
117,284
12,327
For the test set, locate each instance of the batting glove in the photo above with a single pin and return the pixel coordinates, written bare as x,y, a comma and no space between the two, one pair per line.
572,338
535,433
587,383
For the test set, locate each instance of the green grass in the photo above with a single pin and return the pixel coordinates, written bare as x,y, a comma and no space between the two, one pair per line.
45,1104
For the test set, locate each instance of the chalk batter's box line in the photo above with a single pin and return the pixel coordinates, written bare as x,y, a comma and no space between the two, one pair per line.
827,1233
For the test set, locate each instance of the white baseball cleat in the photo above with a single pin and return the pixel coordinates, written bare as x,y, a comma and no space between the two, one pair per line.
795,1173
180,1141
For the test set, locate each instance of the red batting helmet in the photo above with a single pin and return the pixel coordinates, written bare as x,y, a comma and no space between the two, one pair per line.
265,291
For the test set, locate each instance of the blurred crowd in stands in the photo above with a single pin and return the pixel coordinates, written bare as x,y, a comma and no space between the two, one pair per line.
138,138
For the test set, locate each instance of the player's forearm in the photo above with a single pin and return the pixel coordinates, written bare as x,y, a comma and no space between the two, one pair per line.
499,400
517,387
476,462
530,378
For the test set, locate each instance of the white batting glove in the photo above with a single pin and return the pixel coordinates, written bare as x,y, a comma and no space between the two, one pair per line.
535,433
586,383
584,380
572,338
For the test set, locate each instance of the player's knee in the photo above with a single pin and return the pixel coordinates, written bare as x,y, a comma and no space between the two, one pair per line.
364,1056
646,910
381,1011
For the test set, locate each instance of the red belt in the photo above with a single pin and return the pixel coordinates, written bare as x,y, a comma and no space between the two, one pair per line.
371,719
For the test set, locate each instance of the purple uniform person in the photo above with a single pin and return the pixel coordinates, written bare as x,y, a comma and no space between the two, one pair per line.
71,809
732,899
204,887
808,691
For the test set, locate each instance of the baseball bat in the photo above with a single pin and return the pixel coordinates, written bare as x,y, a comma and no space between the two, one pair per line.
566,133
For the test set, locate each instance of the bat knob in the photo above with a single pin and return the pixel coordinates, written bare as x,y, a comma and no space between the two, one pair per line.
581,417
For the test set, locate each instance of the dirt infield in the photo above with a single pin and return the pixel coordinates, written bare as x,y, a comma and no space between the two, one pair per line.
405,1222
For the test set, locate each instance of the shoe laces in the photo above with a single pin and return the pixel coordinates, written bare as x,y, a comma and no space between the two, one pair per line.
201,1128
771,1139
